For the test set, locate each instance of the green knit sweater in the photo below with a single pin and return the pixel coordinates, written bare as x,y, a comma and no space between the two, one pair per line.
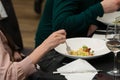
75,16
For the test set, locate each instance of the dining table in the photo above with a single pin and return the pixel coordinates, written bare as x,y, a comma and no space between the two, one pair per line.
53,60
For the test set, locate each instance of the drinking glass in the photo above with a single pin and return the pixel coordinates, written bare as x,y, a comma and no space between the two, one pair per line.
113,43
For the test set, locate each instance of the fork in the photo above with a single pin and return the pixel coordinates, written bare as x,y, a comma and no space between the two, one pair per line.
68,48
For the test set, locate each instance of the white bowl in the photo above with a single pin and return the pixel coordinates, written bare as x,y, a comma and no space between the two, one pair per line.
98,45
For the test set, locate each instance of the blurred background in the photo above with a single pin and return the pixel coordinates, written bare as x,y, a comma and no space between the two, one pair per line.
28,20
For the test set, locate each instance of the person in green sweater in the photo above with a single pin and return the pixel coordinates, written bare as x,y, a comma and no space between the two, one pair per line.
77,17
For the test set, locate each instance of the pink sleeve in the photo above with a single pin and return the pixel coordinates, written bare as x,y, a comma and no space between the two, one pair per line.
19,70
25,67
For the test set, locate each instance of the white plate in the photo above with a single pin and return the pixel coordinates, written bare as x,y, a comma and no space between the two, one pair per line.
109,18
98,45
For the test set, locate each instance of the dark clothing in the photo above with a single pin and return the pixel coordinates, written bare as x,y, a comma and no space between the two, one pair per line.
75,16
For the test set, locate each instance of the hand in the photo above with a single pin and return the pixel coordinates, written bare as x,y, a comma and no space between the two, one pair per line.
17,56
55,39
92,29
110,5
51,42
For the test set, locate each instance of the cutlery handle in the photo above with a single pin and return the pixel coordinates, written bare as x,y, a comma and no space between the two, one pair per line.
71,72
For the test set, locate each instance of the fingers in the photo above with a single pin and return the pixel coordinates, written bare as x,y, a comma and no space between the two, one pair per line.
17,56
62,31
55,39
61,35
60,38
110,5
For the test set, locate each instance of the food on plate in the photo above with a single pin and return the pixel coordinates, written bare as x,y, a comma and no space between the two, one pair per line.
83,51
116,22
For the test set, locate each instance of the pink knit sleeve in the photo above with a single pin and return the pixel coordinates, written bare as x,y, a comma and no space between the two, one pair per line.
24,68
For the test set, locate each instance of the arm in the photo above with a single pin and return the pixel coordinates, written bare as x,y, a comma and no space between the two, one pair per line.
72,17
22,69
66,17
52,41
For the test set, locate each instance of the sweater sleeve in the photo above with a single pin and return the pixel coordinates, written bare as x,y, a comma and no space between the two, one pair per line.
24,68
65,16
18,70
